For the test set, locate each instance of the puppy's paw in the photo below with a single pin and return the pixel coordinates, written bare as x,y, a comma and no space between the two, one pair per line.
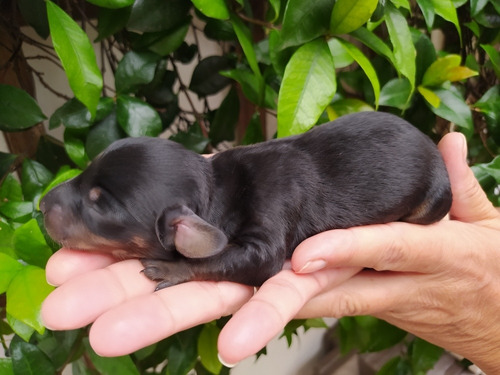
166,273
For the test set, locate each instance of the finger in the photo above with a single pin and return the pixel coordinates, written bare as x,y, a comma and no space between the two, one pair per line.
367,293
66,263
150,318
273,306
395,246
83,298
470,203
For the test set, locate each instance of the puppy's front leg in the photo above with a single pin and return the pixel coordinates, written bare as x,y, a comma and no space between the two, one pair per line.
251,263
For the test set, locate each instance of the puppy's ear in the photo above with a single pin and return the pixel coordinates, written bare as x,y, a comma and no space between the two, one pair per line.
192,236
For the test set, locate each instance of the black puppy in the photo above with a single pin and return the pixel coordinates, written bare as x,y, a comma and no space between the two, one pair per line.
239,214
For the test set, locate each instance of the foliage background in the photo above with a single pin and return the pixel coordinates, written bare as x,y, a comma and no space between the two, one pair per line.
434,62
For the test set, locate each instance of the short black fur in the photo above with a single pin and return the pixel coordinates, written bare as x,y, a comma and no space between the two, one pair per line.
238,215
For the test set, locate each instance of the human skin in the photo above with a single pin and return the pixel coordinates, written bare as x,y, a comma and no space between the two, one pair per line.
440,282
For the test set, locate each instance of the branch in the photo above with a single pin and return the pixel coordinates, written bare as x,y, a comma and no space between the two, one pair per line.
265,24
40,57
46,85
199,117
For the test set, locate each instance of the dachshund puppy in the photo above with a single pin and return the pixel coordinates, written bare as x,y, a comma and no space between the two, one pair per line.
238,215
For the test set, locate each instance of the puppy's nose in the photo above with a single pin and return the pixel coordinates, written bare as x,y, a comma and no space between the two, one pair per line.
54,220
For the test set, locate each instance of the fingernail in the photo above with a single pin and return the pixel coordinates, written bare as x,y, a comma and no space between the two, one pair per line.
464,147
313,266
229,365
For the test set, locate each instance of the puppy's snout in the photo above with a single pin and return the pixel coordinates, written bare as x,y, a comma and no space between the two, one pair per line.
55,221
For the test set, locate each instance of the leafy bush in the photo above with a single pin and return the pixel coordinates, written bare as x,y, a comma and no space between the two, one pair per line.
302,62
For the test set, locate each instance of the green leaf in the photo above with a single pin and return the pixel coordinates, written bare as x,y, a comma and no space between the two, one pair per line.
253,133
349,15
403,48
34,178
494,56
212,8
112,4
6,163
6,366
18,110
245,39
343,107
206,79
402,4
137,118
250,85
171,41
492,169
226,118
182,354
30,244
6,234
9,267
193,139
27,358
424,356
72,114
396,93
134,70
309,84
10,190
34,13
25,295
426,53
159,93
158,15
428,12
279,57
111,366
368,334
315,323
75,148
77,57
429,96
476,6
341,57
489,106
372,41
366,65
219,30
447,10
102,135
446,69
111,21
17,211
61,347
21,329
395,366
304,21
207,348
453,108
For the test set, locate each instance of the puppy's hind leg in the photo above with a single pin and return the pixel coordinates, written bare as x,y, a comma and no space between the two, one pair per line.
435,206
250,262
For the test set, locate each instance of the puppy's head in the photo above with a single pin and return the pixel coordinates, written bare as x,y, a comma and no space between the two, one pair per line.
114,204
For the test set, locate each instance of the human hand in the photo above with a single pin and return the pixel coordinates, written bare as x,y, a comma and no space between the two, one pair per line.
128,315
440,282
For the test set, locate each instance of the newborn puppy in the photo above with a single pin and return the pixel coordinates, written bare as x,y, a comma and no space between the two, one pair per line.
239,214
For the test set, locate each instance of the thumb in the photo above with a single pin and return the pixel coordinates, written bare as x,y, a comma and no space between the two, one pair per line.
470,203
